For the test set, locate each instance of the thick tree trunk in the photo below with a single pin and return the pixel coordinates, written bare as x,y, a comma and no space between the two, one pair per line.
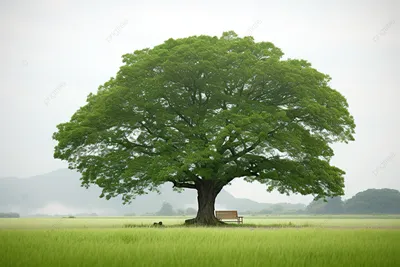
207,192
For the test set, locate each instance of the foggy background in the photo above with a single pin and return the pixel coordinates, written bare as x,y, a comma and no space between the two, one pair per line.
55,52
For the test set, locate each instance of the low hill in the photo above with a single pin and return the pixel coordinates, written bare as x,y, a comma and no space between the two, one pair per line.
371,201
377,201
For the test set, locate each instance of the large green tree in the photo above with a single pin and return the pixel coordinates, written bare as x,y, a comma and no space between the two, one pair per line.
201,111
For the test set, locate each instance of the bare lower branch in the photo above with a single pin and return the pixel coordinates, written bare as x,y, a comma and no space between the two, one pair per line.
182,184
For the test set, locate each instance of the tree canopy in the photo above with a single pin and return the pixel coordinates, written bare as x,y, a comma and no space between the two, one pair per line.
9,215
201,111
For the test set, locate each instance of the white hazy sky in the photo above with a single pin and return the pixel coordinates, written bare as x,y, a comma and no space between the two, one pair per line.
63,48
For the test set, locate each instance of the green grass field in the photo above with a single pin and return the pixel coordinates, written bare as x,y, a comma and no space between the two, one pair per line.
326,241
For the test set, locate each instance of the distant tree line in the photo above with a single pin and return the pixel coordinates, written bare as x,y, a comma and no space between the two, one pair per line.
9,215
168,210
63,215
273,209
87,214
371,201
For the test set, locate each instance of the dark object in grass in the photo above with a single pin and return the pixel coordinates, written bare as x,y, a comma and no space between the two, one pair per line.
157,224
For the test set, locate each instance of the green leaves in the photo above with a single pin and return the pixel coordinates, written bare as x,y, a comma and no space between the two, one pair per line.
208,108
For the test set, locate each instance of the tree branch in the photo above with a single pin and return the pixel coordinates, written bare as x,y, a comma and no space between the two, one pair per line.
147,128
243,152
178,113
182,184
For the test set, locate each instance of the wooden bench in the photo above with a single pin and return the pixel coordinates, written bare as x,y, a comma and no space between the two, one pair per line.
228,215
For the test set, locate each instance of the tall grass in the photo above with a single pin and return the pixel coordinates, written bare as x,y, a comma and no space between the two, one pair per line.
118,222
199,247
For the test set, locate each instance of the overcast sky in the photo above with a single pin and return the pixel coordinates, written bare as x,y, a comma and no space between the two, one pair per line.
55,52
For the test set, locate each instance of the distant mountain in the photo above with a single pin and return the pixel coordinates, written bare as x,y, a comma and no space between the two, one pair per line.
59,192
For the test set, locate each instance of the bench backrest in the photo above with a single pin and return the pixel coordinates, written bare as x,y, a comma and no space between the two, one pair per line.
226,214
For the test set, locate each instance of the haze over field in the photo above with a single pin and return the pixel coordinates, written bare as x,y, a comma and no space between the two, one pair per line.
59,193
54,53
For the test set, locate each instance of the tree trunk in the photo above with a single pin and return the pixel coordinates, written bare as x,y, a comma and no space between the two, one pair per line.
207,192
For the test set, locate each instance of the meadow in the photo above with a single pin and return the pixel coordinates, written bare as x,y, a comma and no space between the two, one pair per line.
261,241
